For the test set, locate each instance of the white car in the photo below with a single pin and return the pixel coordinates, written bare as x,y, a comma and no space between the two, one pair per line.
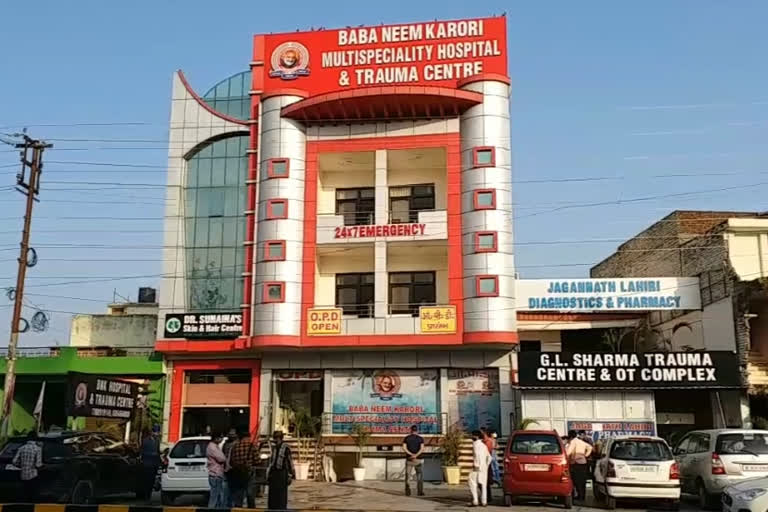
186,471
640,468
751,494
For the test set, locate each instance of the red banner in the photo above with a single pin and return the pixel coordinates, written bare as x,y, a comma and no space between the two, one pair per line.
436,53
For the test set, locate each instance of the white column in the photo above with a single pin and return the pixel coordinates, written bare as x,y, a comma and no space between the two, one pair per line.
381,282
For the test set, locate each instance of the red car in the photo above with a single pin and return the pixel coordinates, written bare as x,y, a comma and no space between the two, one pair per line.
535,466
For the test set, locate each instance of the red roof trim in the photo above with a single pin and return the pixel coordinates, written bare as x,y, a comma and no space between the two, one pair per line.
285,92
484,77
206,106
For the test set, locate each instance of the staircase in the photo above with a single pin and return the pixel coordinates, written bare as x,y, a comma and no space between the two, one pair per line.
466,458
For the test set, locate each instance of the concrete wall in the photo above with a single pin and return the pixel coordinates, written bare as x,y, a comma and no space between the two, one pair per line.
113,330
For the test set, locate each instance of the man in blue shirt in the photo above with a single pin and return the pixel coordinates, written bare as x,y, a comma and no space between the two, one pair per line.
413,445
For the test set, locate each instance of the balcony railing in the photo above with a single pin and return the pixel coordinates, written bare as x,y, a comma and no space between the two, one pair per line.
406,216
407,308
386,423
359,310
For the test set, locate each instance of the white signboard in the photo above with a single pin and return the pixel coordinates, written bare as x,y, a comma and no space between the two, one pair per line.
640,294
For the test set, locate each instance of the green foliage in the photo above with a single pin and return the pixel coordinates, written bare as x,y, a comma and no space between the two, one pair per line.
307,429
759,422
524,423
361,434
451,445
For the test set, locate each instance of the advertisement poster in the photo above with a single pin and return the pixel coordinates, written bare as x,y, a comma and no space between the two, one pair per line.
473,399
209,326
602,431
386,401
95,396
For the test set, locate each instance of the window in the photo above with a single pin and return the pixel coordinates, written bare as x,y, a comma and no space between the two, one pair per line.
640,449
747,442
277,168
683,446
277,209
274,291
189,449
274,250
354,294
487,286
699,443
409,290
230,96
535,444
484,199
485,241
484,156
712,285
357,205
405,203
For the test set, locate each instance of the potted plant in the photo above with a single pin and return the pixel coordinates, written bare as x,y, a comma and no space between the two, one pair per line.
450,445
360,434
306,428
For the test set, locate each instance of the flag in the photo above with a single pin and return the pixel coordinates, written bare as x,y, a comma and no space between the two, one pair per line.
38,412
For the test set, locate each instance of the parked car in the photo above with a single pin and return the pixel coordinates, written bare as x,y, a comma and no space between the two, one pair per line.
711,460
637,468
535,467
78,467
750,494
185,471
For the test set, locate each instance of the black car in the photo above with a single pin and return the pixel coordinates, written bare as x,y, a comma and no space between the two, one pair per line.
78,467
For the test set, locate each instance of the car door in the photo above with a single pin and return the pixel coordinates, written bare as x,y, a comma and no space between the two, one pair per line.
682,457
602,464
124,462
701,460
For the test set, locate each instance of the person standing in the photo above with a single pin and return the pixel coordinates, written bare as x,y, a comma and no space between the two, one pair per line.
280,473
481,459
150,462
578,452
216,463
413,446
241,461
489,443
29,458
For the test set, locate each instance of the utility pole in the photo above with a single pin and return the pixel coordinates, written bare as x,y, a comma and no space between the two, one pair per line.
30,188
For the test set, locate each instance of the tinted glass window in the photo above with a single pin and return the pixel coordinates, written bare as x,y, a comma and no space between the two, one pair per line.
682,448
640,450
51,450
189,449
535,443
750,443
10,449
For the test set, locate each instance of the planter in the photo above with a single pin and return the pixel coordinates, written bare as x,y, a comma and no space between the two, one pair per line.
359,474
452,475
302,470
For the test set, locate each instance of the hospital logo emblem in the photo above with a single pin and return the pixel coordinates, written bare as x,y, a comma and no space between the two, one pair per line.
386,385
289,61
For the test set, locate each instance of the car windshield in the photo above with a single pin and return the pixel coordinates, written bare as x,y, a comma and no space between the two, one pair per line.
755,443
535,443
633,449
190,449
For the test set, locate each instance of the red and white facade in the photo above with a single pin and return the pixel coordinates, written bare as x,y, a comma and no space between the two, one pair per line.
378,186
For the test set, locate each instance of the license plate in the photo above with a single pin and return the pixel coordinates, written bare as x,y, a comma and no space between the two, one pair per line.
642,469
184,469
755,467
536,467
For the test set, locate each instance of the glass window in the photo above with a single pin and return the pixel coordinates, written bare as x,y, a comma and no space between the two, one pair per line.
357,205
274,250
405,203
273,292
410,290
487,286
632,449
354,294
278,168
484,157
485,242
277,209
485,199
752,443
230,96
189,449
682,447
535,444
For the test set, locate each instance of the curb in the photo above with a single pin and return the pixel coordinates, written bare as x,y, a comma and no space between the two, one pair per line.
55,507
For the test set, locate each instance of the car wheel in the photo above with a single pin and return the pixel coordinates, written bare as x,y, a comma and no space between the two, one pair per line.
82,493
568,502
507,500
705,499
610,502
674,505
167,498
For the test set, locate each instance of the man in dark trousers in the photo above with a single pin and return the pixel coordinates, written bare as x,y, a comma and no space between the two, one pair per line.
413,445
242,457
29,458
578,452
150,463
281,473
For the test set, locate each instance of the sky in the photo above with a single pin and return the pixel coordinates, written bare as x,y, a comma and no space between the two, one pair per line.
621,113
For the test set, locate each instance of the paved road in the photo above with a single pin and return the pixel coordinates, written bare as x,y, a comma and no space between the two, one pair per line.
388,496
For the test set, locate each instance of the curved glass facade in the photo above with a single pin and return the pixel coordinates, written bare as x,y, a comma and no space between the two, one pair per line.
214,201
230,96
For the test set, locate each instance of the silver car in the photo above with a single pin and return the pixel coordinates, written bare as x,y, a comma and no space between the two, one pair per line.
711,460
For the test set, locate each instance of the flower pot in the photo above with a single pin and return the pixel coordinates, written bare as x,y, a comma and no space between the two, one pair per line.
452,475
359,474
302,470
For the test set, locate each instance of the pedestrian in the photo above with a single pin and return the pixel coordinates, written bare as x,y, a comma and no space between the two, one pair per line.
229,440
578,452
216,463
481,459
413,446
150,463
280,473
28,458
494,459
242,457
258,474
489,443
